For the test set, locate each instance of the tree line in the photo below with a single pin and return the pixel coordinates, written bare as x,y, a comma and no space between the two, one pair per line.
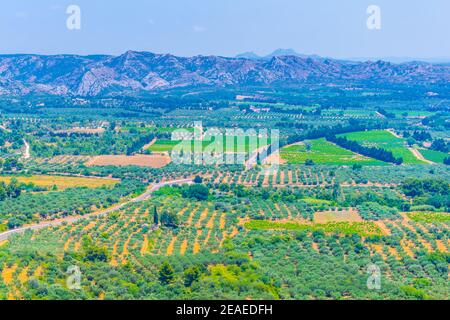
447,161
323,131
138,144
372,152
440,145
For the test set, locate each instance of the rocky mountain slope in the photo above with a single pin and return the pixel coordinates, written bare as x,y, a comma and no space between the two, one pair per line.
135,72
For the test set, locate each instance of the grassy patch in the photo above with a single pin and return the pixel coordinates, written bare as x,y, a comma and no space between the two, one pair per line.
163,146
435,156
412,114
240,145
168,191
363,229
429,217
172,129
61,182
316,201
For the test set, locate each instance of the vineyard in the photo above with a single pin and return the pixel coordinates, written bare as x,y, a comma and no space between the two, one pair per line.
385,140
227,144
323,152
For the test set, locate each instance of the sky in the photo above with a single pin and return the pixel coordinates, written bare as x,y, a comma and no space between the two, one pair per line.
332,28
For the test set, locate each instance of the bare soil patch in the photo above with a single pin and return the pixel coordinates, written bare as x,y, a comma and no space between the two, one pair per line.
152,161
350,215
82,131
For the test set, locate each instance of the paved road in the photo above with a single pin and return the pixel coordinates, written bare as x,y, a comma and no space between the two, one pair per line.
145,196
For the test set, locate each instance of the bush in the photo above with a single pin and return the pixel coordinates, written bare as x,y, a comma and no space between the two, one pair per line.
196,191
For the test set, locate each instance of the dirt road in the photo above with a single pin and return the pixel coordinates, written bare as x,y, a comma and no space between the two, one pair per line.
419,156
145,196
26,154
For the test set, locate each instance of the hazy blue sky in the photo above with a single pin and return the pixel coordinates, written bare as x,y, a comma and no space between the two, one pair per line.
337,28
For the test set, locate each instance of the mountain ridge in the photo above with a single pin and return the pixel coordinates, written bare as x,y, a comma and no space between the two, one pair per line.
139,71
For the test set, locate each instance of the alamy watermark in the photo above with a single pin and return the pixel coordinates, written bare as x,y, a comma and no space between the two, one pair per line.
374,19
73,22
374,279
73,281
230,146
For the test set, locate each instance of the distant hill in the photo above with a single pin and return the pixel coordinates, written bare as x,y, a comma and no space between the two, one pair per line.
135,72
406,59
276,53
249,55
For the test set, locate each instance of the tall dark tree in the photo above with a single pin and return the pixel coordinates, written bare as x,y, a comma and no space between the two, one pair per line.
166,273
2,191
155,216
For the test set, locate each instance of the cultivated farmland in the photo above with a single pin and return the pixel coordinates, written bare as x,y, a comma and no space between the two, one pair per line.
61,182
153,161
323,152
385,140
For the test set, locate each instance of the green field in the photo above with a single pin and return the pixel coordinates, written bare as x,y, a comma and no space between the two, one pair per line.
414,113
135,128
435,156
316,201
385,140
324,152
239,145
364,229
163,146
429,217
172,129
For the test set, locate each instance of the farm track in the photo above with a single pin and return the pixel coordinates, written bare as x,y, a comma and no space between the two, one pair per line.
419,156
145,196
26,154
148,145
343,185
391,131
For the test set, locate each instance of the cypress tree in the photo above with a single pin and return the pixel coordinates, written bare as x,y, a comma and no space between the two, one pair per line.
155,216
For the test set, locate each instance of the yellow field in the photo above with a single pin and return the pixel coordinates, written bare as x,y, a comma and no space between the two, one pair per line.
61,182
23,275
8,273
144,248
183,247
171,245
